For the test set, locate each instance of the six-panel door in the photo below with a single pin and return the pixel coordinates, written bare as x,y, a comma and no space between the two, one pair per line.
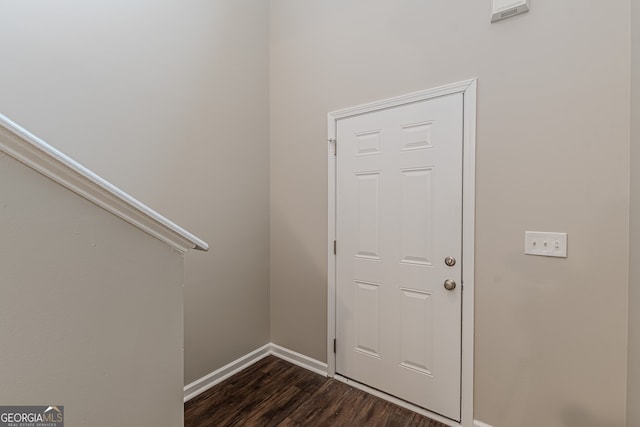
399,216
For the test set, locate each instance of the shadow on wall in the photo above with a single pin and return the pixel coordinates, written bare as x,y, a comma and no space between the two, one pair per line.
573,416
298,282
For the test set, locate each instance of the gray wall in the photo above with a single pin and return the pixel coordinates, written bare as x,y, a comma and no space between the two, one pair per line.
169,101
553,143
633,396
90,308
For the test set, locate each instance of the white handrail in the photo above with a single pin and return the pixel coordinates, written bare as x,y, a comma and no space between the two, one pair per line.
42,157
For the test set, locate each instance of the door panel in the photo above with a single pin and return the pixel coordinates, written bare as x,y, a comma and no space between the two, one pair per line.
399,215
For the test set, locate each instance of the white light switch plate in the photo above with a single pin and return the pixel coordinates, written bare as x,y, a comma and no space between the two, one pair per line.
545,244
503,9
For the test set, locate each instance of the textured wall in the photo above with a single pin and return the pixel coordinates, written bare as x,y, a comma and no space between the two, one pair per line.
552,155
169,101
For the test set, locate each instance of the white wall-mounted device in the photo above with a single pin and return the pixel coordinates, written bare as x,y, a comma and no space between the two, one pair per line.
503,9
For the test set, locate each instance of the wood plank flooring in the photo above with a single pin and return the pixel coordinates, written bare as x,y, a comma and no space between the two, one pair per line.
273,392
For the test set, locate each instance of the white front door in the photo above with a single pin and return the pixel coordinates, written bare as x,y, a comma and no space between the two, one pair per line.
399,216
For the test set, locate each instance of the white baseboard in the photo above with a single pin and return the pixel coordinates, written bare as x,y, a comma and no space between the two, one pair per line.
205,383
301,360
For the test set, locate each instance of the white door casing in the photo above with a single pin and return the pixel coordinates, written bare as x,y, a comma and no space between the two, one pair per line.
397,210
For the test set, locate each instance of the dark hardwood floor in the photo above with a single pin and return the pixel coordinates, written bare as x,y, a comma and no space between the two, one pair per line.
273,392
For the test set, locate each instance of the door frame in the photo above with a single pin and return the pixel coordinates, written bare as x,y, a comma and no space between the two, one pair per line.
468,88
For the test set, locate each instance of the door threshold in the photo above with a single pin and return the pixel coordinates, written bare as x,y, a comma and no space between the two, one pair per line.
397,401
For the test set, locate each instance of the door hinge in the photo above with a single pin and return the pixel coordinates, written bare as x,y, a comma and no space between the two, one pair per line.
334,142
334,345
335,247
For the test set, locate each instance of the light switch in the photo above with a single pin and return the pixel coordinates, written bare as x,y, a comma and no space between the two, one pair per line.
503,9
545,244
